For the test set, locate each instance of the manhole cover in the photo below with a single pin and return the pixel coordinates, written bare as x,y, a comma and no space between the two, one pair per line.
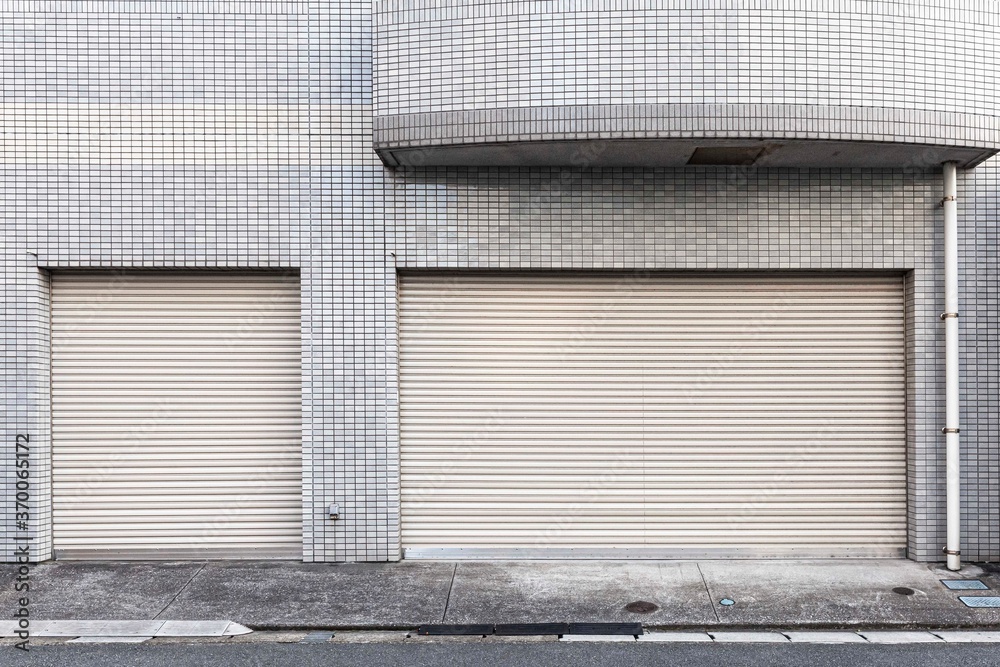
903,590
965,585
641,607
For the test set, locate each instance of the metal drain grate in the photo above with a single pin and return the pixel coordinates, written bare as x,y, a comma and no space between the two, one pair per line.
965,585
530,629
605,628
981,601
466,629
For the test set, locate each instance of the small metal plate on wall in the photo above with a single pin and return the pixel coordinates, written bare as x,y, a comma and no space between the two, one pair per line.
965,585
981,601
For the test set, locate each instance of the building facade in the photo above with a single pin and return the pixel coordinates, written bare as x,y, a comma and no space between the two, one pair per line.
358,281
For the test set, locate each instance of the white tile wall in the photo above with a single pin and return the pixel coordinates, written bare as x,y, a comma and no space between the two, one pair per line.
268,163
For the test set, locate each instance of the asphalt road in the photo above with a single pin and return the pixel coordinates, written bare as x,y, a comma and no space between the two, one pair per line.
470,654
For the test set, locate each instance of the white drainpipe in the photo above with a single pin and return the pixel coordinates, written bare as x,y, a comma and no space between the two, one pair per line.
950,317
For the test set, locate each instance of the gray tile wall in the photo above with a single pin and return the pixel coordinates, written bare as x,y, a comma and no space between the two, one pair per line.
266,162
482,54
979,294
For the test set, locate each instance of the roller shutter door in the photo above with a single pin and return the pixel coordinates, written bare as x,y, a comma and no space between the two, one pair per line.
590,415
176,415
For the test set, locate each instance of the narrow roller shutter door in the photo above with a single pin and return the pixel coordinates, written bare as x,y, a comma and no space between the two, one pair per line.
176,415
691,415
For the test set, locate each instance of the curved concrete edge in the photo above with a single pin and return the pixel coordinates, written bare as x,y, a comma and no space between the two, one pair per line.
236,629
504,137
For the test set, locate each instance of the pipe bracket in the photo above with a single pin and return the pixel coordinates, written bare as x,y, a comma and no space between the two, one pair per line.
947,430
945,316
951,552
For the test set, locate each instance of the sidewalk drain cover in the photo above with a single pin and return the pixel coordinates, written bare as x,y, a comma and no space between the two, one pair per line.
981,601
965,585
460,630
641,607
605,628
903,590
531,629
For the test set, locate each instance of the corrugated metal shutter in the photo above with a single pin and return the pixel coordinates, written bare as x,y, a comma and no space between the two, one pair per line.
176,415
572,415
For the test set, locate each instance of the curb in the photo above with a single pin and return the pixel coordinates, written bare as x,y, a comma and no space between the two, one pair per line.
125,629
658,627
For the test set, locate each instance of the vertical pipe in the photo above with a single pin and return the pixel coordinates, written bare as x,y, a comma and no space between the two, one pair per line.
950,317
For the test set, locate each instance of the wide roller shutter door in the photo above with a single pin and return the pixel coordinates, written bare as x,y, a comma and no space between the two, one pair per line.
176,415
589,415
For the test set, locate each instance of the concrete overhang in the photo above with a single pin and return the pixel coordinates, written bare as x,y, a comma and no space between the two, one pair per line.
678,135
685,153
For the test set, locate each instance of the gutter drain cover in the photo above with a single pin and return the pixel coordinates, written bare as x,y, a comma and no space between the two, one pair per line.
469,629
531,629
605,628
903,590
981,602
965,585
641,607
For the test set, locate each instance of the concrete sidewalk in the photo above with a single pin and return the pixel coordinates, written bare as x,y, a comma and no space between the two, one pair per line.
284,595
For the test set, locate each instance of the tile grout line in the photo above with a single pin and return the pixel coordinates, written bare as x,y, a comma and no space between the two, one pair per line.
178,593
708,593
447,600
